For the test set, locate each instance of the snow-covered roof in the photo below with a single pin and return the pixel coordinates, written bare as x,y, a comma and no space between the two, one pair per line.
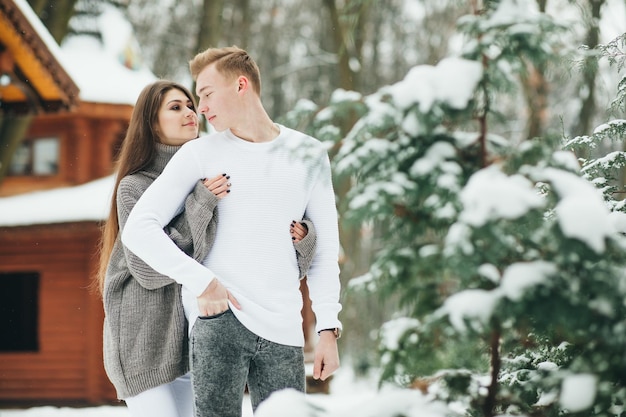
86,202
41,30
37,78
99,68
106,71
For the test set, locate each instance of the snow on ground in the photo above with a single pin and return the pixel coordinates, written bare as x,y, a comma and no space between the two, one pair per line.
344,389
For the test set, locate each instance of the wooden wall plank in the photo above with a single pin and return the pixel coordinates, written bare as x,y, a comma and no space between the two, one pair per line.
68,365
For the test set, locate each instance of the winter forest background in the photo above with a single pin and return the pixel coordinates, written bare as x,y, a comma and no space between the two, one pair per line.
478,155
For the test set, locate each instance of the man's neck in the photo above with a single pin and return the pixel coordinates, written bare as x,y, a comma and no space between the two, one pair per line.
256,126
265,132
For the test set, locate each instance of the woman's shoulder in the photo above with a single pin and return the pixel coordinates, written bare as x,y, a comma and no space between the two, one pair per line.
136,178
134,184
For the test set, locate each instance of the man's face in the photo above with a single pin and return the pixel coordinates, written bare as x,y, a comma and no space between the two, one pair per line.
218,98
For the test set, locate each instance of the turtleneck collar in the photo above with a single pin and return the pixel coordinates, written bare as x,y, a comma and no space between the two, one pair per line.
163,155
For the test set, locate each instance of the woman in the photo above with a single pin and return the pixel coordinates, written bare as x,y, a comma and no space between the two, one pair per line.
145,328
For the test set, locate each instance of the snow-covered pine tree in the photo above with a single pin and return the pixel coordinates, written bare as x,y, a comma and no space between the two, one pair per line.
606,170
509,264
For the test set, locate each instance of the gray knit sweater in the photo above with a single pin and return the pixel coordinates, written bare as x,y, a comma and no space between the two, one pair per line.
145,330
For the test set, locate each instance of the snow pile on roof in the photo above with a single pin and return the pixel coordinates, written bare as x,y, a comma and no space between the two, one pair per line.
86,202
107,71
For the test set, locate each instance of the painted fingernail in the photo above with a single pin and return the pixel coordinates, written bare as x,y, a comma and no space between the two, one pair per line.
223,175
228,177
228,191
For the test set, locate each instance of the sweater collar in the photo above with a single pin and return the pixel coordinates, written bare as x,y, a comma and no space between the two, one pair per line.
256,146
163,155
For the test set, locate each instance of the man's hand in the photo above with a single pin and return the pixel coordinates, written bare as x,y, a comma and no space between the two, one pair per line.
326,360
214,299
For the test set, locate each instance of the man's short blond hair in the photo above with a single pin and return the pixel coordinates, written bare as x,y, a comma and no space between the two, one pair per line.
230,61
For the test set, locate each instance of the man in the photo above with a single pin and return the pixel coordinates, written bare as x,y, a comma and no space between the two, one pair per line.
246,292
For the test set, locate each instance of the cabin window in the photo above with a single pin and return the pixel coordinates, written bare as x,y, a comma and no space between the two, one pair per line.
19,295
36,157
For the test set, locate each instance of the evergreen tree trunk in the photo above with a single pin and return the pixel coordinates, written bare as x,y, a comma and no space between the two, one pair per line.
243,28
535,89
37,5
272,55
590,71
536,94
209,32
350,234
55,15
12,130
489,407
360,12
346,79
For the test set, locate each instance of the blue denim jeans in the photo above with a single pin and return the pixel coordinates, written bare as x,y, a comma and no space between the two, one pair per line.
225,356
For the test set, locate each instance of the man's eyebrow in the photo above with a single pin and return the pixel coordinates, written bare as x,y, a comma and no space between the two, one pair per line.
202,89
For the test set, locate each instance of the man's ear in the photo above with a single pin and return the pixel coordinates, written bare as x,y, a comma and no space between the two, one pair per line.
242,83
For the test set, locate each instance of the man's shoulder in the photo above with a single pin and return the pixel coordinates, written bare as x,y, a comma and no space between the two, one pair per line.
201,141
294,134
297,139
199,146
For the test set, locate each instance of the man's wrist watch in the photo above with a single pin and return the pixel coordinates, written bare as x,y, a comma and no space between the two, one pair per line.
336,331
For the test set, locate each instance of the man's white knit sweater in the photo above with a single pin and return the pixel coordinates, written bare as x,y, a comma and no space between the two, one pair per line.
273,183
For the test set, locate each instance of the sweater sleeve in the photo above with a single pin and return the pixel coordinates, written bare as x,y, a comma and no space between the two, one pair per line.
144,233
200,206
323,276
200,220
305,248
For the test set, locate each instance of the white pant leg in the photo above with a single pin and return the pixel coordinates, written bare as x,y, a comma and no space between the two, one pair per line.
174,399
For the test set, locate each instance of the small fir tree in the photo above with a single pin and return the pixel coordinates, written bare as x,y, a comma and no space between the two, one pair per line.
508,262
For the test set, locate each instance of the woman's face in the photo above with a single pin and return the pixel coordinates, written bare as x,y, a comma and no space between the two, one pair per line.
177,121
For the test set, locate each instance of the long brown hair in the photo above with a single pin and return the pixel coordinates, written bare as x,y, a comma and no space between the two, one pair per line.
137,152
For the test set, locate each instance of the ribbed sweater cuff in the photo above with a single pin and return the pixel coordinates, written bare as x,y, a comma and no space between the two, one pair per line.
306,246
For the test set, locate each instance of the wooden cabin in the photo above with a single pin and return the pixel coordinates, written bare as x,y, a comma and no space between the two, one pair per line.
51,349
52,140
51,327
51,343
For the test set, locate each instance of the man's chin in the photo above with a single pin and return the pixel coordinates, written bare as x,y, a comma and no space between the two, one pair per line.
215,127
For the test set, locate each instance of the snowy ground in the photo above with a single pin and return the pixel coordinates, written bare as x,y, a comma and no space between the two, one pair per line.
344,387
